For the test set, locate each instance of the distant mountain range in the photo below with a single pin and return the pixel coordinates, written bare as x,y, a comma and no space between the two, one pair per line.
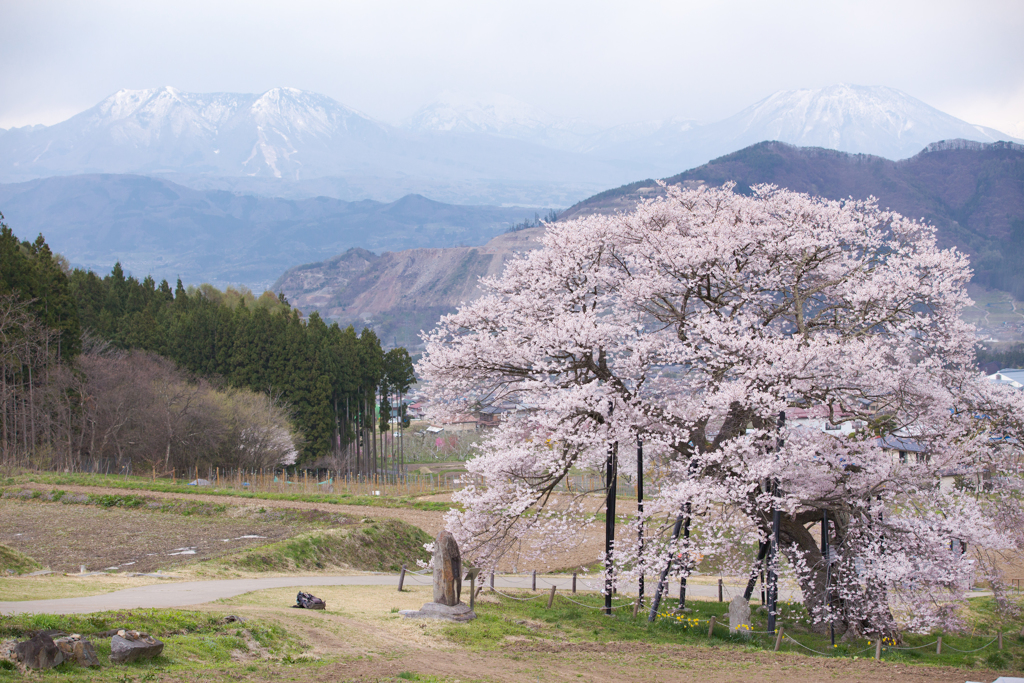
972,192
492,150
155,227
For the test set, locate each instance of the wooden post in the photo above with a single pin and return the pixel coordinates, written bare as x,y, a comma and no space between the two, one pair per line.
472,590
711,627
636,607
574,583
720,591
551,599
492,581
1000,634
938,646
401,579
878,649
534,580
778,640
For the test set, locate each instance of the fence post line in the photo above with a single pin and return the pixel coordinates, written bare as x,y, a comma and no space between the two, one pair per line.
720,591
878,648
574,583
938,646
711,627
551,599
778,639
534,580
401,579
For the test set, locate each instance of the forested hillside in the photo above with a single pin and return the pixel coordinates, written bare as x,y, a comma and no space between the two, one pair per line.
973,193
65,338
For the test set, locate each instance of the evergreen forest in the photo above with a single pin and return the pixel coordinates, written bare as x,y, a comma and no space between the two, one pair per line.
74,346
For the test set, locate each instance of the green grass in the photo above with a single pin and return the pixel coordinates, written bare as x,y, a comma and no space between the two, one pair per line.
193,641
12,561
168,486
568,622
383,545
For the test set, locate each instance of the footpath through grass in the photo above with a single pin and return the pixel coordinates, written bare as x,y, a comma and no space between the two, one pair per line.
577,619
182,487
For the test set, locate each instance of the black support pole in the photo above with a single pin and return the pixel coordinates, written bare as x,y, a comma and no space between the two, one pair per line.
828,572
773,550
663,580
773,558
609,526
762,550
686,560
640,517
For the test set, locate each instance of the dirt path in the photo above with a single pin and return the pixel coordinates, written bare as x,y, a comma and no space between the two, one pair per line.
374,644
167,594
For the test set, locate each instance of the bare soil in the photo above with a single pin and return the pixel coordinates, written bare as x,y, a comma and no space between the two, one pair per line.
67,537
584,553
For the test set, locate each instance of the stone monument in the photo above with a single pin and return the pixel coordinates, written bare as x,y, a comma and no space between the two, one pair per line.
447,584
739,615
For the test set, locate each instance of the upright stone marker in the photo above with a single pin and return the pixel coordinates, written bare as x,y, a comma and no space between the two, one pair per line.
739,615
447,570
447,584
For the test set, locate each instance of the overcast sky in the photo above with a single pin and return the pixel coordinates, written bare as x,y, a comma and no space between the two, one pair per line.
606,62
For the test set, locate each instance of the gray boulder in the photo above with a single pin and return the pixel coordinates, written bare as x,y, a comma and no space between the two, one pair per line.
130,646
39,652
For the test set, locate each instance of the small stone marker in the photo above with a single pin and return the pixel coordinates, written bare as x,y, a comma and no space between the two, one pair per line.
447,585
129,646
739,615
39,652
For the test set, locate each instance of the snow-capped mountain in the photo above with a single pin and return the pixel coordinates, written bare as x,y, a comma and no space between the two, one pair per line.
297,139
499,115
159,130
850,118
490,149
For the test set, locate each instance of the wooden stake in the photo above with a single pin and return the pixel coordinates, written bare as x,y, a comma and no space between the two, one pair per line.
1000,634
574,583
534,580
401,579
778,639
938,646
711,627
878,649
720,591
551,599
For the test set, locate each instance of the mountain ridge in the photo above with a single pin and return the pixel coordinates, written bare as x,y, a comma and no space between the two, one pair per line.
167,230
490,150
972,192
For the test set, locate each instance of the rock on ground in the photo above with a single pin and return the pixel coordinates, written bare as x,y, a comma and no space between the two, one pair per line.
78,649
39,652
129,646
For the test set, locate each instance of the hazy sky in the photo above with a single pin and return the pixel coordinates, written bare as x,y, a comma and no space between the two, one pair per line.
606,62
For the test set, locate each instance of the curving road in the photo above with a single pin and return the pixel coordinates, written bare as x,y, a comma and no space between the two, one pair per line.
187,593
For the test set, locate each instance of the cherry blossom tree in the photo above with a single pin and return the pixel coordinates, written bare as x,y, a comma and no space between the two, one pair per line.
693,323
